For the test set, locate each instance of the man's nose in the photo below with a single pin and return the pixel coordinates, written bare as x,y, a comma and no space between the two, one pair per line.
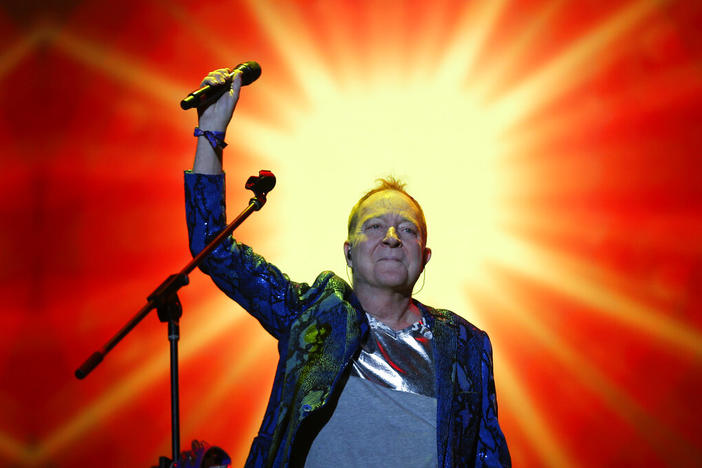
391,237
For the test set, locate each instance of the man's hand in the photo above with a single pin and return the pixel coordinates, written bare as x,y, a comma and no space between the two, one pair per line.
217,115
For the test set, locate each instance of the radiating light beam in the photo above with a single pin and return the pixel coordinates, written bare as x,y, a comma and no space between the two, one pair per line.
514,398
573,66
218,391
14,449
118,66
476,23
679,86
286,33
128,70
653,430
485,82
436,131
17,51
564,274
222,320
270,92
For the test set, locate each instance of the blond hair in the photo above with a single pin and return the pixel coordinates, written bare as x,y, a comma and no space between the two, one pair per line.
387,183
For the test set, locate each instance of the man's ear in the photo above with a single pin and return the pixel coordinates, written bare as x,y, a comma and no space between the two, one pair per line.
427,255
347,253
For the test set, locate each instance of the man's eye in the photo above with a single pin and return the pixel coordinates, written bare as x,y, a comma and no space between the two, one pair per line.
373,226
409,230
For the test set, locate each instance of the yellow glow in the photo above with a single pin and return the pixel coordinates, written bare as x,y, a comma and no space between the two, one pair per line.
429,129
431,133
436,139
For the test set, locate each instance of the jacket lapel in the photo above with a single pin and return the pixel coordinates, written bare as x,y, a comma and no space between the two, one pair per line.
444,351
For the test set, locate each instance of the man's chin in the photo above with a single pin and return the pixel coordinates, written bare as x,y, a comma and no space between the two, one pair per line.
392,278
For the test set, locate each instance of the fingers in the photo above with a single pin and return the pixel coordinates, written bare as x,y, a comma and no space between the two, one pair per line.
215,115
216,77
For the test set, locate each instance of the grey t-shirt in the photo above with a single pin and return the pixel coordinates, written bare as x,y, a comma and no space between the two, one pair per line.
373,426
386,414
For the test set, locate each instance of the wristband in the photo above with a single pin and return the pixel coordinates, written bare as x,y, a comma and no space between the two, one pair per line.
216,139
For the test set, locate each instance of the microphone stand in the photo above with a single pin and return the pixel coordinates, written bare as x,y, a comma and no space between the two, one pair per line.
165,300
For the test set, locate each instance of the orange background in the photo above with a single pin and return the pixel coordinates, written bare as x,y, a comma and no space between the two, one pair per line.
594,309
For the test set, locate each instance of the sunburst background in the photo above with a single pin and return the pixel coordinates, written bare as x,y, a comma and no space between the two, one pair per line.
554,146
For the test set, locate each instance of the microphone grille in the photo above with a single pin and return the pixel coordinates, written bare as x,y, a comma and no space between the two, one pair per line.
250,71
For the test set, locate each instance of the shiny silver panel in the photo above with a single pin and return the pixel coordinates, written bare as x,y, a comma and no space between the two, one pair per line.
401,360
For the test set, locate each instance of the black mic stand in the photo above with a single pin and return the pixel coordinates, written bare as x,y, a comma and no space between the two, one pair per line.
165,300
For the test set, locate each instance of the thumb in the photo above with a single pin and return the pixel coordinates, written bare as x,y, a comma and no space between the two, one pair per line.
235,88
236,81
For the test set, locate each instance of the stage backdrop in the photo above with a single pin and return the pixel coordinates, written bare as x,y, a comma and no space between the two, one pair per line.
554,145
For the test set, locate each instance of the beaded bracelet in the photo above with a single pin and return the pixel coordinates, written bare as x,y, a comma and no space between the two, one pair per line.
216,139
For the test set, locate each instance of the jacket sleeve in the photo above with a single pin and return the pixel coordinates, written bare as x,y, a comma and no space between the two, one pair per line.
492,448
259,287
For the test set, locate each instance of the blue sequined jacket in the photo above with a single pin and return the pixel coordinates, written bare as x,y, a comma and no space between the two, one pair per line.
320,329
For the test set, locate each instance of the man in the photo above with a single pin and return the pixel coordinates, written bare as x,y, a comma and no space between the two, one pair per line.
367,375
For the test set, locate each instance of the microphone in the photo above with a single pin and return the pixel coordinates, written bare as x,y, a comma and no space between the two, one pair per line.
250,71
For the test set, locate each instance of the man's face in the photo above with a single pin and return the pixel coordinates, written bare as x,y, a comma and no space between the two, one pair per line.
386,247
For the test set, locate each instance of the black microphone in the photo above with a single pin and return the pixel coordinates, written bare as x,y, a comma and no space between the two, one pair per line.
250,71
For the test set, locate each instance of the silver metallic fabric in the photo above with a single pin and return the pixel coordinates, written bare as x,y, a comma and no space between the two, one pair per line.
401,360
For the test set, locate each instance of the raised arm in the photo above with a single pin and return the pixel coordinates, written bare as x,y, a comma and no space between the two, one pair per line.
215,117
259,287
